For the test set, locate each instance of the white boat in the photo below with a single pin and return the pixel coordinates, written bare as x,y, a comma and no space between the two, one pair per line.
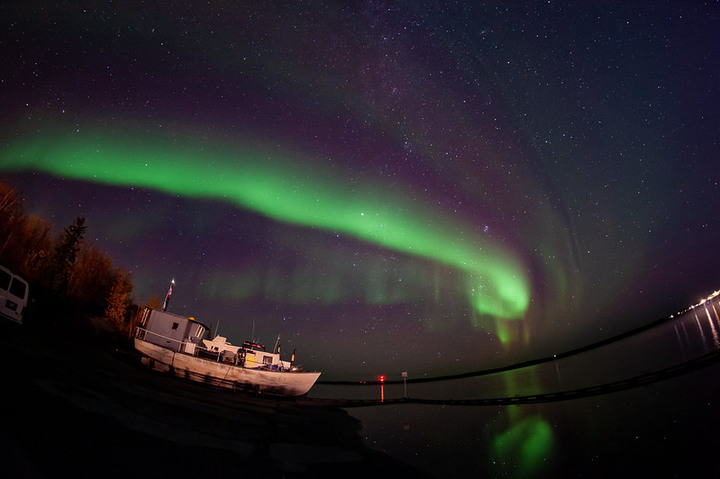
169,342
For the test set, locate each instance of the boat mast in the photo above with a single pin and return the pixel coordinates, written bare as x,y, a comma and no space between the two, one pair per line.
276,344
167,296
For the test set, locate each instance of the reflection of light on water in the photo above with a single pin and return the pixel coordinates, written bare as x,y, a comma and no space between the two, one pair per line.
707,302
682,336
716,341
382,388
711,321
714,310
702,333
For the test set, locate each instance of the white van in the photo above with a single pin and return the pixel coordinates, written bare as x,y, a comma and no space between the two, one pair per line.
13,295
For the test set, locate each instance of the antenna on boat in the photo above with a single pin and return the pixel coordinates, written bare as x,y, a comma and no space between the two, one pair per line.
252,337
275,349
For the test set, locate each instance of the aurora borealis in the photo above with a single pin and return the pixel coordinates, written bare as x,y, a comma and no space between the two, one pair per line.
434,188
496,280
390,187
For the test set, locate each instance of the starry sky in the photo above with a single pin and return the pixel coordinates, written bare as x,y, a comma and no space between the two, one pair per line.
390,186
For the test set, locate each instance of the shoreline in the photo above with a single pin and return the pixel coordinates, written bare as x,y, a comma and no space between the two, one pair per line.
100,412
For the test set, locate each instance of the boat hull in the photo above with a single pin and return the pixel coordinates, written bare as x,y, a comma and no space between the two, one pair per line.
282,383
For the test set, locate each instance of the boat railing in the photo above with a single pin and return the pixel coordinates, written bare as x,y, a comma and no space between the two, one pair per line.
176,344
200,351
146,334
187,347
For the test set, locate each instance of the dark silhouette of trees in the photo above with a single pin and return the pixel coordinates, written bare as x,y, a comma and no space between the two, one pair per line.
119,300
91,277
12,227
37,241
65,254
67,275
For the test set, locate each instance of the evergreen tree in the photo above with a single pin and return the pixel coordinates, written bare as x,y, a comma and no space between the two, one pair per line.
66,252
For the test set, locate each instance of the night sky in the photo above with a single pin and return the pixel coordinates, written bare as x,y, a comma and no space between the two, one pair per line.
390,187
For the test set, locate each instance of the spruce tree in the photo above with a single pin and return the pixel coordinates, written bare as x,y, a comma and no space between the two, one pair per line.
66,252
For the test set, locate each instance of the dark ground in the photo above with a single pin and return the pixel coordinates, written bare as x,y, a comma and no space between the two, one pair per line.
79,404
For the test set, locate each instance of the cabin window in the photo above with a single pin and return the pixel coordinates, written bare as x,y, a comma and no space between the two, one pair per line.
175,326
267,359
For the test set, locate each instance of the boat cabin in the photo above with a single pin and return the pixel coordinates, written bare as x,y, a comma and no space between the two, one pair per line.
185,335
172,331
249,355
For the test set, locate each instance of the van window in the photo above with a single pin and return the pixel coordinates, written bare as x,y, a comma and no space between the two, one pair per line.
18,288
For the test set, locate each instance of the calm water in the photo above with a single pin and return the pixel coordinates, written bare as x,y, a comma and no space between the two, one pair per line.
647,404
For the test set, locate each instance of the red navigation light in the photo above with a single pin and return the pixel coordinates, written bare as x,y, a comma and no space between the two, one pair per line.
382,379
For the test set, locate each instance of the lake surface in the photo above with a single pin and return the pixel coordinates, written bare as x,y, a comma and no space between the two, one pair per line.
646,404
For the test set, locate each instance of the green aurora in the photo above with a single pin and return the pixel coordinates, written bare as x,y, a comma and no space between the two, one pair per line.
283,187
528,444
